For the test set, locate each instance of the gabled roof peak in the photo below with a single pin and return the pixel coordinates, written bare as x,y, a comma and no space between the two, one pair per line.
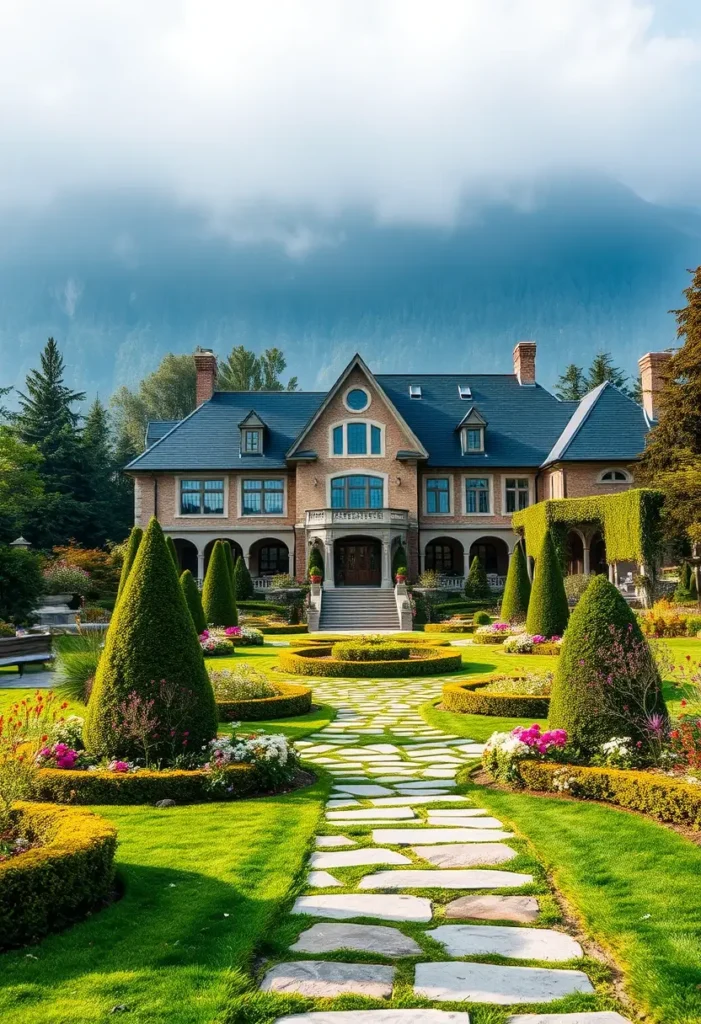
473,415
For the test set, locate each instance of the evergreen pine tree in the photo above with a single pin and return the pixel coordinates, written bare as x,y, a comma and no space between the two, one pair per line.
229,560
193,600
315,565
548,610
109,517
517,591
135,538
476,586
151,651
602,369
173,551
218,599
243,584
571,385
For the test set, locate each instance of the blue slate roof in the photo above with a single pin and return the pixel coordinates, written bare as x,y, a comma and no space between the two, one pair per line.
607,425
156,429
210,438
523,422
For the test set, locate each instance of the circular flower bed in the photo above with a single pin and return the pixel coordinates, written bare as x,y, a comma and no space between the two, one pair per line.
481,696
67,873
449,627
370,650
290,700
524,643
215,641
319,661
496,633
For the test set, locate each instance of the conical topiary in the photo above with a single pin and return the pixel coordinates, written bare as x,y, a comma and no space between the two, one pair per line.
683,593
243,584
218,599
229,559
476,586
129,556
170,543
399,560
151,653
607,683
193,600
315,565
517,591
548,610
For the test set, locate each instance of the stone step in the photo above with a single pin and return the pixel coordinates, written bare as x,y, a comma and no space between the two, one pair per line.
583,1017
425,836
377,1017
465,855
324,979
368,938
523,909
385,907
517,943
449,982
355,858
416,878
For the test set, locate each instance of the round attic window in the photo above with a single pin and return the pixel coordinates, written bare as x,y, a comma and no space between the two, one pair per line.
357,399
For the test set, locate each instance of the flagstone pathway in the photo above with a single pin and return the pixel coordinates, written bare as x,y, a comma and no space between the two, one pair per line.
392,769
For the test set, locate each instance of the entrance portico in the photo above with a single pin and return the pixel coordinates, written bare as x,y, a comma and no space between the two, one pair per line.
357,544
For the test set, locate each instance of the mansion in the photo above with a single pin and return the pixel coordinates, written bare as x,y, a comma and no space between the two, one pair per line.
434,462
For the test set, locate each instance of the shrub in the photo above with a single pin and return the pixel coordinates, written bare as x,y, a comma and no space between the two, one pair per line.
315,565
462,606
399,559
243,584
658,795
548,610
151,637
283,581
268,607
683,595
172,551
290,701
607,683
21,584
575,585
102,567
230,562
481,618
476,586
241,683
366,650
142,787
504,751
77,657
494,633
70,874
282,629
94,614
430,579
129,555
482,696
191,593
317,661
6,629
218,599
448,627
61,578
517,590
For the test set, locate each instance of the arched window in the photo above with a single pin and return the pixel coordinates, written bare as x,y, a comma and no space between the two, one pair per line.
615,476
357,491
357,438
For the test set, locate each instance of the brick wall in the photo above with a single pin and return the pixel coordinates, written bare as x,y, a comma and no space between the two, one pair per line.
458,516
168,502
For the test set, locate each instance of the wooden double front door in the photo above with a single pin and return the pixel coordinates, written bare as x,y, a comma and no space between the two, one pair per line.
358,563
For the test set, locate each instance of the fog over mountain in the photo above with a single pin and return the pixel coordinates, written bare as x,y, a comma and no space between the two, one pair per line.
121,278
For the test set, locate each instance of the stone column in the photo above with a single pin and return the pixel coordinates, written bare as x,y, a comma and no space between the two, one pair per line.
612,573
386,566
200,563
585,558
329,567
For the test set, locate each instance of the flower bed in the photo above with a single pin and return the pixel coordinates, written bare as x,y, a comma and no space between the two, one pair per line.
364,650
291,701
496,633
524,643
215,642
448,627
662,797
326,639
68,875
145,786
318,661
470,698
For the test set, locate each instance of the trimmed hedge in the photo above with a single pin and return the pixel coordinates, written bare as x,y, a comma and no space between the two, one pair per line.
657,795
357,650
243,584
70,875
218,598
436,661
281,630
548,609
142,787
492,638
448,627
193,600
476,585
468,699
325,639
262,606
129,555
173,551
292,700
517,589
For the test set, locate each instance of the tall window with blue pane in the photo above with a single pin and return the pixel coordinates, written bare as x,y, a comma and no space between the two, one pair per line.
357,491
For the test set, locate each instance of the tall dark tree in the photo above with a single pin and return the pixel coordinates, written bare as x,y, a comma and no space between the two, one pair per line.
572,384
243,370
110,517
602,369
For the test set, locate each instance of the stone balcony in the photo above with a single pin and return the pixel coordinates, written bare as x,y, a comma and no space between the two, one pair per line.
327,517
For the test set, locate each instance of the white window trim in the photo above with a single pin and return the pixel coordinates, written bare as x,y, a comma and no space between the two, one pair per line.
349,472
368,455
451,494
517,476
614,483
251,430
357,387
476,475
463,439
198,515
257,516
556,477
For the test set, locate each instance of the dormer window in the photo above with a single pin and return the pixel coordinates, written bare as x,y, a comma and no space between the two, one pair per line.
414,391
464,391
252,442
472,427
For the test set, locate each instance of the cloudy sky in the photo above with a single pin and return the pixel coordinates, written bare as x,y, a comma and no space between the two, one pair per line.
405,107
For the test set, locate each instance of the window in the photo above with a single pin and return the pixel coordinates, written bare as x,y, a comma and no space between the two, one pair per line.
438,496
252,442
615,476
439,557
477,496
263,497
273,559
358,437
357,491
357,399
201,497
517,491
464,391
414,391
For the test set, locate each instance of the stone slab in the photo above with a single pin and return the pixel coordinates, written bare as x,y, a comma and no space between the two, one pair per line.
410,836
361,790
327,978
321,879
334,841
463,855
367,814
439,773
439,879
337,804
583,1017
517,943
523,909
369,938
457,812
416,799
492,983
353,858
449,784
484,822
377,1017
345,905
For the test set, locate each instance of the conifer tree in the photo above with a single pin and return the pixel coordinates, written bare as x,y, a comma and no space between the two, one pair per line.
133,543
243,584
399,560
229,559
517,591
218,599
548,610
315,565
571,385
109,515
476,585
602,369
193,600
173,551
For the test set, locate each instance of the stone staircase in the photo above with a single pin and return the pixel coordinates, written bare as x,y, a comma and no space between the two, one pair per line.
359,609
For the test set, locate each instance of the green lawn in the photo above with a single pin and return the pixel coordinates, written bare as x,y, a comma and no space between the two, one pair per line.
202,885
634,884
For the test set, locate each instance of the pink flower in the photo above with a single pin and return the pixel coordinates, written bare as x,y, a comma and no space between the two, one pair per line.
120,766
233,631
204,635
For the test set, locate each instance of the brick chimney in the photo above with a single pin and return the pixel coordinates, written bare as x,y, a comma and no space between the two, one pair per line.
524,362
652,370
206,366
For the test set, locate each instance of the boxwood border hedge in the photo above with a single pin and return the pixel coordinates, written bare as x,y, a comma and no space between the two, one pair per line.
438,661
53,885
281,629
143,787
445,627
667,799
465,698
293,700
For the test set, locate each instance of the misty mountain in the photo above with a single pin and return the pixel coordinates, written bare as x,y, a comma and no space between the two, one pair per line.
120,279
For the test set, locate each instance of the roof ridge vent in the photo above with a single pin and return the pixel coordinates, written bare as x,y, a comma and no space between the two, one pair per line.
415,391
464,391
